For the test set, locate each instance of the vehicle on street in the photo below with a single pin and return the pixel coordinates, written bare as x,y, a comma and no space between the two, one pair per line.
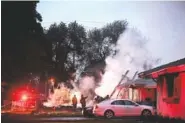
88,112
122,107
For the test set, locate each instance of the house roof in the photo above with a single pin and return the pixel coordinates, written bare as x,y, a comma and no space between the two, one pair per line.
171,64
147,83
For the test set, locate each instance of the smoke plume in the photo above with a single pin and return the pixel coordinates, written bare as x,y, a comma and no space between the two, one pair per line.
132,55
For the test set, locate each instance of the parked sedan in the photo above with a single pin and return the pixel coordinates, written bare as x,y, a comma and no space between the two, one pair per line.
122,107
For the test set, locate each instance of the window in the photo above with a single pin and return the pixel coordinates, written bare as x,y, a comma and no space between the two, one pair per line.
127,102
170,84
172,87
170,81
118,102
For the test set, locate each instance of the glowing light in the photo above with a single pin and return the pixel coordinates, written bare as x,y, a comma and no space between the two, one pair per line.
62,96
52,80
24,97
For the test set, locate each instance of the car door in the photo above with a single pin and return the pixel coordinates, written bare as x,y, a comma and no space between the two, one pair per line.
132,108
118,107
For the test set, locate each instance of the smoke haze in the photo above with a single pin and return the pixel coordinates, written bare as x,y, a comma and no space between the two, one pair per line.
132,55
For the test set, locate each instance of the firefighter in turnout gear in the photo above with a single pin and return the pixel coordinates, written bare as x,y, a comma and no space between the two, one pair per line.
83,102
74,101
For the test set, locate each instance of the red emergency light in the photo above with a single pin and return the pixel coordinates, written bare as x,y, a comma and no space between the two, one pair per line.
24,97
24,94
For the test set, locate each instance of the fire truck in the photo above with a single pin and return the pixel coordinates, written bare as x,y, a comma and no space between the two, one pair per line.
25,99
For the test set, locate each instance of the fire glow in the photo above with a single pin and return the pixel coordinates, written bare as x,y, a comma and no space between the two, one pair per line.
61,96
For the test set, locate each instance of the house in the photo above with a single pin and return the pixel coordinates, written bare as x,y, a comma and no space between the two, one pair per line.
137,90
170,80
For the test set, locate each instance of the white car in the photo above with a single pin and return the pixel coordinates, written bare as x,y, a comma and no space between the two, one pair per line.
121,107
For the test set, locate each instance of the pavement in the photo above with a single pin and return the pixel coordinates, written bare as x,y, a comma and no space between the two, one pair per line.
37,119
60,116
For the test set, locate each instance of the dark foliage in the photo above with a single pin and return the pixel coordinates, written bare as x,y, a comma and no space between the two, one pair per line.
24,48
59,52
76,49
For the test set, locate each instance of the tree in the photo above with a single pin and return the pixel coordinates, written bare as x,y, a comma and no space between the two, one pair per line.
57,35
24,49
77,39
76,49
67,41
101,42
113,30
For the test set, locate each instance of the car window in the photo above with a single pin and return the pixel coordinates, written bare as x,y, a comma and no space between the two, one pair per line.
118,102
127,102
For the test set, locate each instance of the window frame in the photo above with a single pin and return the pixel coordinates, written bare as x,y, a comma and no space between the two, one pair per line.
174,97
170,84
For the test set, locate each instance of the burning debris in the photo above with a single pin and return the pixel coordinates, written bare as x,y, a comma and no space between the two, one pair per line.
61,96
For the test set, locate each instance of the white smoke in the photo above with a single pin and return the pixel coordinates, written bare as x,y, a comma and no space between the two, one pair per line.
132,55
87,86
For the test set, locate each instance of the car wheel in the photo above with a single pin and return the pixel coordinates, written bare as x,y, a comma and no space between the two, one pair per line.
146,113
109,114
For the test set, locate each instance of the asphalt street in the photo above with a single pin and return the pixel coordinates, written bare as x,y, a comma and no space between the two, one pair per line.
35,119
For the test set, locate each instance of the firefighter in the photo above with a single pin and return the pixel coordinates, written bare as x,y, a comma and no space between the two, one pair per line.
83,102
74,101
